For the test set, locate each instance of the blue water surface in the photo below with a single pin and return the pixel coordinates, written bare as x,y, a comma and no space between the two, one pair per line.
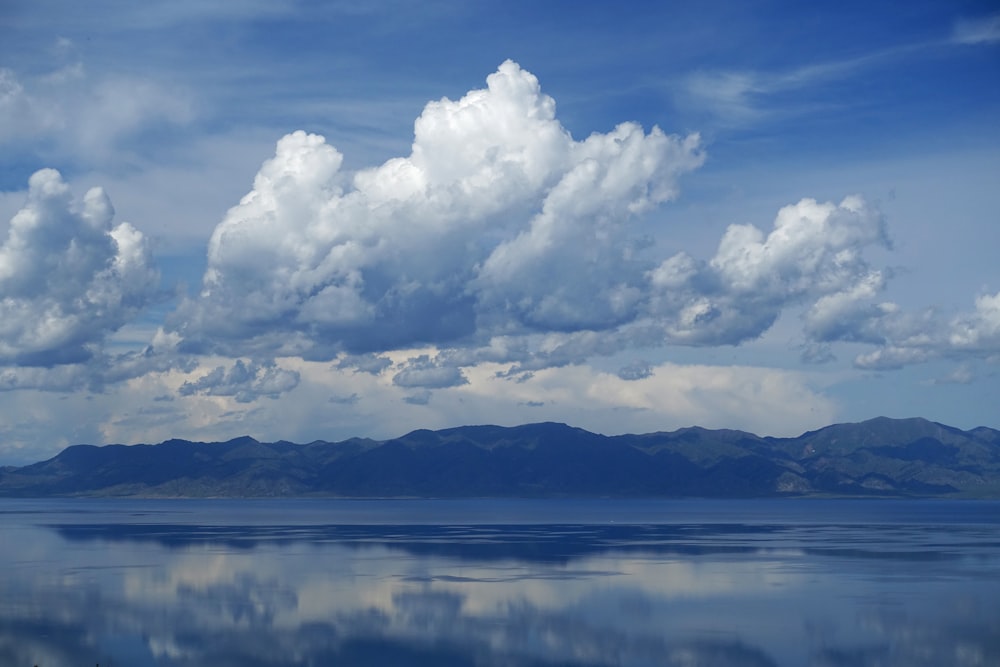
814,582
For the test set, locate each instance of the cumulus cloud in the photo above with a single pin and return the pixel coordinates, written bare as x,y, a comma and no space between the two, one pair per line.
916,338
497,222
372,364
978,331
100,371
814,253
245,381
425,372
846,315
68,277
890,358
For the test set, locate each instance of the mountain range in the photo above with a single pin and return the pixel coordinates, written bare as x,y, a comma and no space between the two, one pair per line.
878,457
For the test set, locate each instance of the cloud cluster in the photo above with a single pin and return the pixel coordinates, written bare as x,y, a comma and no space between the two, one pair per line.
503,239
814,253
68,277
246,382
422,371
813,256
500,240
497,223
908,338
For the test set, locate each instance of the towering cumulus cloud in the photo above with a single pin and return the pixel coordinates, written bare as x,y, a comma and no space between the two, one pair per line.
498,222
68,278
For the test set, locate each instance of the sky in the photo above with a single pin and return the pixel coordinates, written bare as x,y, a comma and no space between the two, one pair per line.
314,220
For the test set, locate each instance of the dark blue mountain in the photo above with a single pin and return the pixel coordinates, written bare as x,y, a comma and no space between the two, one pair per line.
880,457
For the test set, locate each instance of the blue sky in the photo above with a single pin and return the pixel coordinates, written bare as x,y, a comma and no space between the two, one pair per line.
308,220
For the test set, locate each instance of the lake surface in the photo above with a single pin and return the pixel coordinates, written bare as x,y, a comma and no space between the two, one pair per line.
135,583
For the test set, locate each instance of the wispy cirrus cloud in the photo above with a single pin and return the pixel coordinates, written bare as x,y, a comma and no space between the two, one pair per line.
980,30
744,96
736,97
71,112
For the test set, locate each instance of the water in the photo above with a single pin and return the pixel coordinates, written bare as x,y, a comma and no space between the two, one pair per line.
134,583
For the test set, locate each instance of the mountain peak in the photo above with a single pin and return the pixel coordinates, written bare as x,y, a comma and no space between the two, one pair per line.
242,440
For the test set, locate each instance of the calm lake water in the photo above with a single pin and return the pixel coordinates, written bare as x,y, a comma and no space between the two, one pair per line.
135,583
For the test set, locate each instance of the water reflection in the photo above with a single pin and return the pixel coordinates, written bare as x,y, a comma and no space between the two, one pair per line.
134,590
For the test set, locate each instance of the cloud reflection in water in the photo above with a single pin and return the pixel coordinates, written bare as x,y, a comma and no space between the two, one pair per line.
102,589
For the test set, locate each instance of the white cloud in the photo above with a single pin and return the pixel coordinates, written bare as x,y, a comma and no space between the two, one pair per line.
846,315
813,246
981,30
960,375
740,97
918,338
746,96
814,253
979,330
70,111
68,277
730,96
891,357
497,222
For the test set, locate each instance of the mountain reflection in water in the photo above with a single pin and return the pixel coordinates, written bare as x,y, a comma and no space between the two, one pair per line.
589,583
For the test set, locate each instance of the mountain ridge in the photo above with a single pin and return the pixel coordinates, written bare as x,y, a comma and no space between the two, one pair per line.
878,457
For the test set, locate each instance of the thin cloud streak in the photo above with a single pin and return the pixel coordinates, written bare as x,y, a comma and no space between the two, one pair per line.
740,97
